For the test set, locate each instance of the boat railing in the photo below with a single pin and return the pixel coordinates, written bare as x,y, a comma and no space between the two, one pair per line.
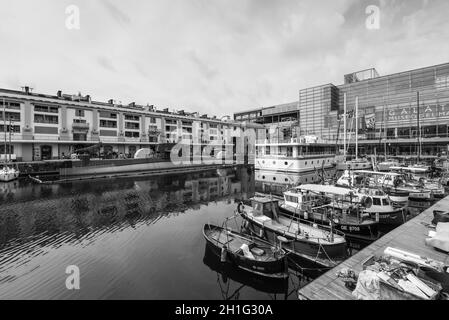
297,218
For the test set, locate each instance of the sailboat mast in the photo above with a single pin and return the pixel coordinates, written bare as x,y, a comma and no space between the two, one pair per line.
9,151
356,127
385,134
419,129
344,126
4,125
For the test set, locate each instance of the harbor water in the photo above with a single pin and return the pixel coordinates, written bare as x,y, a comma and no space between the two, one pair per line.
131,238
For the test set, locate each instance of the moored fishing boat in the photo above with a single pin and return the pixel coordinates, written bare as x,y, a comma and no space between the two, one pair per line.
418,176
382,208
325,247
247,252
391,183
321,203
8,174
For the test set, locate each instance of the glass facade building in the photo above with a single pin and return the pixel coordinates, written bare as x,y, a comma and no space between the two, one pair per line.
396,112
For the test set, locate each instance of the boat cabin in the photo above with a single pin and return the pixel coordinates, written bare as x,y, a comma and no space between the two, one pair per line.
265,207
379,197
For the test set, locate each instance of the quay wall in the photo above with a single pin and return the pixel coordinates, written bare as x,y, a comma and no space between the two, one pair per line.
410,236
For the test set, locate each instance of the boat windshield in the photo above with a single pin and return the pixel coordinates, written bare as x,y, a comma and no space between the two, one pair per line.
376,201
291,198
265,208
386,201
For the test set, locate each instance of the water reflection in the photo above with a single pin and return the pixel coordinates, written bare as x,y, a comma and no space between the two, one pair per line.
113,229
232,281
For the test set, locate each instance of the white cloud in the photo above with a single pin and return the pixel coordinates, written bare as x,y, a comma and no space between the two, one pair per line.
212,56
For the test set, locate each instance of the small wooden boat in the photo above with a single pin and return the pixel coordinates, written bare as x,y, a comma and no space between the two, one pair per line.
320,203
230,272
323,247
246,252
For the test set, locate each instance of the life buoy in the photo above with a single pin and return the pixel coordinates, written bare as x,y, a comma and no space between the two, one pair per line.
240,208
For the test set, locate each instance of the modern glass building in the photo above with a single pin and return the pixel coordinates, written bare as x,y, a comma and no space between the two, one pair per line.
397,113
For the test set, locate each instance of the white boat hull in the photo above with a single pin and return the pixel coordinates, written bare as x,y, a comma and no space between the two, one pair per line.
294,165
7,175
354,166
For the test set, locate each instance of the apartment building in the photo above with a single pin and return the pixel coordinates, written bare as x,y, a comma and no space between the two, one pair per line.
36,126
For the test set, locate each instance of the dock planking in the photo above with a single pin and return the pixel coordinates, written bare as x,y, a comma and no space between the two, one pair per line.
409,237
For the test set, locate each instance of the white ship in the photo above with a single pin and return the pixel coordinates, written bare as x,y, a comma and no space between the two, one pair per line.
295,155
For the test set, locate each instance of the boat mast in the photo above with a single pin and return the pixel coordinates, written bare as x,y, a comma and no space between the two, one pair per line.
9,151
344,126
356,127
4,125
419,129
385,135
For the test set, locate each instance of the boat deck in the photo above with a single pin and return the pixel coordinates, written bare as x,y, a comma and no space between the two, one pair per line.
410,236
286,225
348,219
234,243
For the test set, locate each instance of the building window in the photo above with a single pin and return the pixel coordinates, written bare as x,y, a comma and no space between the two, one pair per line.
132,117
108,124
132,125
79,113
14,116
13,128
10,105
44,118
49,109
9,149
79,137
131,134
79,121
105,114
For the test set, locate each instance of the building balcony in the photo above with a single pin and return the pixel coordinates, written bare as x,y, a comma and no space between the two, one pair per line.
80,126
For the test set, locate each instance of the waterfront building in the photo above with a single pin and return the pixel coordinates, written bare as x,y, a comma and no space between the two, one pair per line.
400,114
46,127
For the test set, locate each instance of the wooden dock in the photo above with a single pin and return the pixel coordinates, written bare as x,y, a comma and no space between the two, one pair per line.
409,237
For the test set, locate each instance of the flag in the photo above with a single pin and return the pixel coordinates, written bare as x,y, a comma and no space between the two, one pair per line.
370,121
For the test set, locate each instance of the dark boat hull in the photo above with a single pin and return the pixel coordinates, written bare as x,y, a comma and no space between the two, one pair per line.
273,268
230,271
368,232
395,218
323,255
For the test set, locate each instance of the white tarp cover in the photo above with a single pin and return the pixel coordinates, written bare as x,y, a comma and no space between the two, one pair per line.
246,251
440,239
368,287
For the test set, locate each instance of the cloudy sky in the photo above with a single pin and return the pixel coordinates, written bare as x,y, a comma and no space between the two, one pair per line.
212,56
